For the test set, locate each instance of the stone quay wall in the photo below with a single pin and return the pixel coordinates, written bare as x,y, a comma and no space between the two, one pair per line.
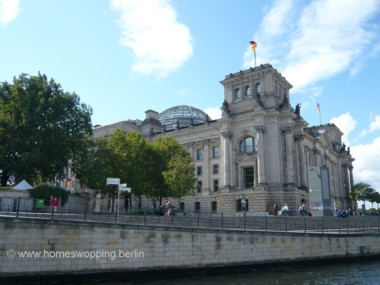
44,247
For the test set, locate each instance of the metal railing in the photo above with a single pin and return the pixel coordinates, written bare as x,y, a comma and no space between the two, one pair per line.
242,221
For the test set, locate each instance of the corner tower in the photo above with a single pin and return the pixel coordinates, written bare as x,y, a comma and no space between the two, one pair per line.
259,87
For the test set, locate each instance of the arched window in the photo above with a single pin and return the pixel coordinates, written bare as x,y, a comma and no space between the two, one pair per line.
247,91
246,145
258,88
237,93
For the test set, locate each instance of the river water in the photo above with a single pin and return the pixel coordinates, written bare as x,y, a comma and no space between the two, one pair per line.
328,273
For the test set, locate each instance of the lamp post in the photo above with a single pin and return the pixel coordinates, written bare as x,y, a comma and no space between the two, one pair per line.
120,188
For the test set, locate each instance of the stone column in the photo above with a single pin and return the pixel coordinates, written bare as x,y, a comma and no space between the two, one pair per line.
260,154
206,167
289,167
226,160
302,164
350,168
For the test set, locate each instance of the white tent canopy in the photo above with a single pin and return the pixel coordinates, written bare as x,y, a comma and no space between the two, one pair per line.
23,185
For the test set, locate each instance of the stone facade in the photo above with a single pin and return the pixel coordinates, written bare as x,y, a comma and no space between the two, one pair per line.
261,151
61,247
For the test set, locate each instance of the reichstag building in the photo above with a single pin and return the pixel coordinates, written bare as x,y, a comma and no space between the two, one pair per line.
260,152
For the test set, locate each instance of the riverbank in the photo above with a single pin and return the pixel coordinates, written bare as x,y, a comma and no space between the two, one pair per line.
38,247
294,273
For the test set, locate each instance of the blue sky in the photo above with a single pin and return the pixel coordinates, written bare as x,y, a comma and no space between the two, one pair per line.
123,57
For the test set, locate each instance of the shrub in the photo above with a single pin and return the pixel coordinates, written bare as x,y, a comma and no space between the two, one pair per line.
45,191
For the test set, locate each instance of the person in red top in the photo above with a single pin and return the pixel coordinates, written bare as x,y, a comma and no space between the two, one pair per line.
55,204
51,203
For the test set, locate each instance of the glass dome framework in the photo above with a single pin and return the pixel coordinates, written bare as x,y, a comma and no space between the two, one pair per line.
183,115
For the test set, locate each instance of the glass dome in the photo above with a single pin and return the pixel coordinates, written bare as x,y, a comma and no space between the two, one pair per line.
185,115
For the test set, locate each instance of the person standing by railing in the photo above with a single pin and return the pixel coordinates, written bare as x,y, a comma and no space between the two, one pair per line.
51,203
169,207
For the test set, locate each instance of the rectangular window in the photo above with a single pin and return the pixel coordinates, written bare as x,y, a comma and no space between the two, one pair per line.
197,206
214,206
216,185
248,177
199,186
199,170
242,205
215,152
199,154
215,169
182,206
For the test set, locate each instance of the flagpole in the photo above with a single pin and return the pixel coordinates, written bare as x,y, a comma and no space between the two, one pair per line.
320,119
253,48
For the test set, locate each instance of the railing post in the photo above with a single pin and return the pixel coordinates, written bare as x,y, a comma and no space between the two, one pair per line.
304,223
198,221
266,223
363,225
18,206
322,225
244,221
286,224
339,223
347,225
145,216
222,221
85,212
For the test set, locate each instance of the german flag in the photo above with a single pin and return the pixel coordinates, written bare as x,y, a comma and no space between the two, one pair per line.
253,45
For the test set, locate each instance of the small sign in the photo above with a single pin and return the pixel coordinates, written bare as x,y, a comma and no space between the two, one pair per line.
125,189
113,181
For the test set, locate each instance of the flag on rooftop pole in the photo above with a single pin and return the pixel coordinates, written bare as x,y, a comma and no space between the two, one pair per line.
253,48
319,112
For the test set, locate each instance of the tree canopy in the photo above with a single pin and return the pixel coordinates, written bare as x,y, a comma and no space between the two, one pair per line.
42,128
155,169
361,191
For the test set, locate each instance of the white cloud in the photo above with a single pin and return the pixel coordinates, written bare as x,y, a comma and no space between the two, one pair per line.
317,41
366,164
150,29
367,156
8,10
346,124
214,112
375,124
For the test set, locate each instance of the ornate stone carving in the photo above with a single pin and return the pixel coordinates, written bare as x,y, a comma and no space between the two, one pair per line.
260,128
227,134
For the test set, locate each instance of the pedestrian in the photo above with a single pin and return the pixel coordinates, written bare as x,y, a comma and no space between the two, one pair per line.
55,204
51,203
169,207
275,209
243,204
302,210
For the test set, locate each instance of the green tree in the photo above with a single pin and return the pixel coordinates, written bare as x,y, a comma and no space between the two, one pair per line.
135,161
95,165
41,128
361,192
374,197
179,176
166,148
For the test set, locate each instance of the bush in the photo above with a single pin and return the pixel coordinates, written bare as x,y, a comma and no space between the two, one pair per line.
7,188
45,191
